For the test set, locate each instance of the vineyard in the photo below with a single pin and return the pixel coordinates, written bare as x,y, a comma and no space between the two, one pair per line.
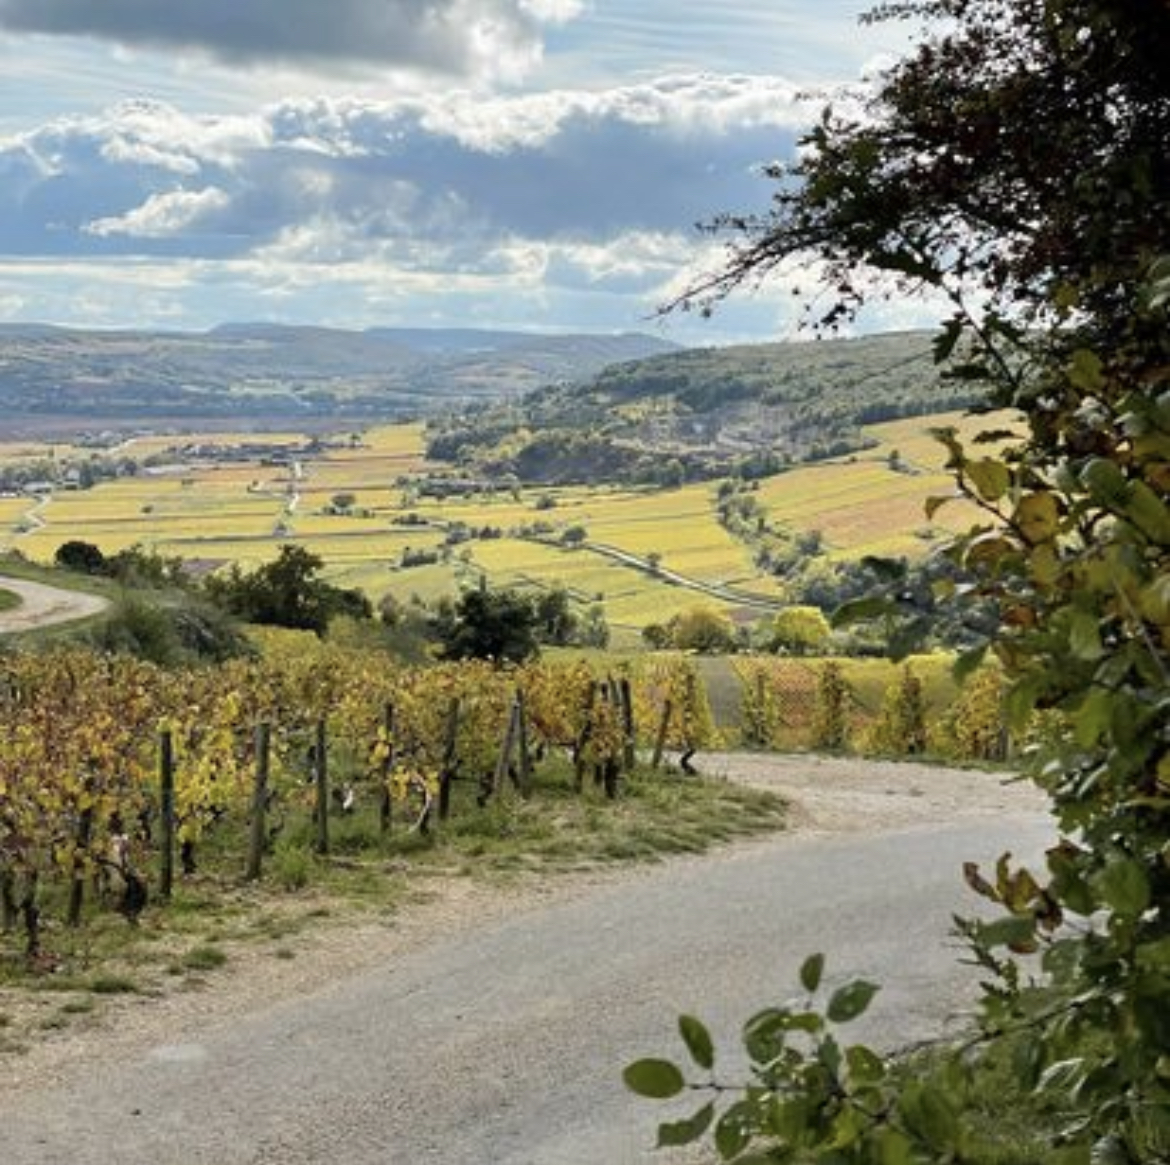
117,777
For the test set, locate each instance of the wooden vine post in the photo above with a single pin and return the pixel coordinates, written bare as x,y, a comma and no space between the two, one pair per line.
9,909
504,760
321,783
166,801
660,738
524,767
608,767
629,728
450,760
77,889
256,833
385,800
583,736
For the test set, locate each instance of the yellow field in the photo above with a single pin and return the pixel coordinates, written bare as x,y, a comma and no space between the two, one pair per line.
864,505
13,509
218,511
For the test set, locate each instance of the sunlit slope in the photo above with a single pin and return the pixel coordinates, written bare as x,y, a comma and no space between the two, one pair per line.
875,502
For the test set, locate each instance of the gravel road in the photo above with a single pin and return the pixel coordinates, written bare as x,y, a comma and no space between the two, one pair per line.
42,606
492,1029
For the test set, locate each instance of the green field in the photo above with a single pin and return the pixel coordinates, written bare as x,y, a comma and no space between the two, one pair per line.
219,511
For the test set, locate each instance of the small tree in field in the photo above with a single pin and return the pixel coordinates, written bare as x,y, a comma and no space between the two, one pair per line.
486,624
799,630
702,629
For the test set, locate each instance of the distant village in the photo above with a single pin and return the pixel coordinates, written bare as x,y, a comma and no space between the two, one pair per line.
110,456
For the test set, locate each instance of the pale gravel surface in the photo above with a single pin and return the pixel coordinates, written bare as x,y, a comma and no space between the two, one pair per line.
829,797
43,606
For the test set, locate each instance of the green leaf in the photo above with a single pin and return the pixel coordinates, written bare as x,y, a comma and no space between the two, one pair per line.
865,1066
790,1119
860,610
1106,484
1124,886
1085,370
698,1041
764,1035
686,1132
850,1001
1014,931
1148,512
655,1079
991,479
933,504
1084,634
1020,701
733,1132
1062,1077
1154,956
894,1147
811,971
968,662
1092,719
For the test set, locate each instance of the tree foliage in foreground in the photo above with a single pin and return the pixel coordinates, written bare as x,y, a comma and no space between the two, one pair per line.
1017,164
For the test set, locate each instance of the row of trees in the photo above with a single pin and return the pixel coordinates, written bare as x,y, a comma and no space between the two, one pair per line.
504,625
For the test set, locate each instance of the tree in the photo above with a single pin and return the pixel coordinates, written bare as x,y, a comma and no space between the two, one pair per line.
702,629
287,592
486,624
594,630
83,557
1016,164
555,622
799,630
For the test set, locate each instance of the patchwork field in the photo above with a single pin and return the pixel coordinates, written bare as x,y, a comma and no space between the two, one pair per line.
873,503
355,501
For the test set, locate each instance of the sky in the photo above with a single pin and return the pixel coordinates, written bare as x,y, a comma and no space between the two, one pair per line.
532,164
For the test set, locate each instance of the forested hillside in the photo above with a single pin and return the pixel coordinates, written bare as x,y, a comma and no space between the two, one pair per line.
704,412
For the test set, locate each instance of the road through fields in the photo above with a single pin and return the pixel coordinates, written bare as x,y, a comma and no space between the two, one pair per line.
501,1042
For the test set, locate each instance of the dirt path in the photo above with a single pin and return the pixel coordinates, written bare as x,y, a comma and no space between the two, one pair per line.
43,606
829,797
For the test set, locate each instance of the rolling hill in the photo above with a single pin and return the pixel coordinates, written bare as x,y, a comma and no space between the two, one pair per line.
282,374
702,413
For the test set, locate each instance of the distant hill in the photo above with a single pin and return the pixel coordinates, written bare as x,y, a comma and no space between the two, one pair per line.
704,412
279,373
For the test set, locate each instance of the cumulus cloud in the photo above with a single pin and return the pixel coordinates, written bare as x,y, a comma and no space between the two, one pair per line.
452,36
573,199
163,215
579,167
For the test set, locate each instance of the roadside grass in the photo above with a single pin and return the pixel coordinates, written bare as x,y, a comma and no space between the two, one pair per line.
16,565
1010,1124
216,920
8,600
